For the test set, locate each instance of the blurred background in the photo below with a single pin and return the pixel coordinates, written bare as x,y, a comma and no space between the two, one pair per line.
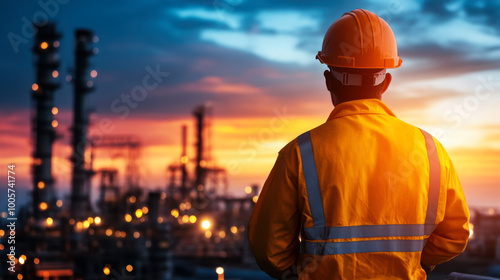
142,132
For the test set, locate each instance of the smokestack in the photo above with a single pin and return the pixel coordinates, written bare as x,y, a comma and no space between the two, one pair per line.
184,161
43,122
199,114
82,85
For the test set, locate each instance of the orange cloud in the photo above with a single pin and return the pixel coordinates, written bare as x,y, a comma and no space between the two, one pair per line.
218,85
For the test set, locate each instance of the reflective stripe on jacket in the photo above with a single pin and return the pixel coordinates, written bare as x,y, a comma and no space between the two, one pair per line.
370,196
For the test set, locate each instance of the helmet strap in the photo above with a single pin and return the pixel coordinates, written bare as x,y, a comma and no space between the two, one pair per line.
349,79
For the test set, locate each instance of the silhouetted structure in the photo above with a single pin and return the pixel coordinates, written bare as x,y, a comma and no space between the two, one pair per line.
80,191
43,122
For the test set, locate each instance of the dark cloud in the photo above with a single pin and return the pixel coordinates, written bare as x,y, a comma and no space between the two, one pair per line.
135,35
479,11
436,61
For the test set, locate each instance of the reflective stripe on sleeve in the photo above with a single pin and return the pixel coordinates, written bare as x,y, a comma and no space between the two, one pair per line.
434,179
311,178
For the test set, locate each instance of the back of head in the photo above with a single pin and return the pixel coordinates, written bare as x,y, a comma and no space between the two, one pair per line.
357,48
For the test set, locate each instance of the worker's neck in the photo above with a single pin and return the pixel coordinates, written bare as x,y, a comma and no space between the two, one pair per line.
341,98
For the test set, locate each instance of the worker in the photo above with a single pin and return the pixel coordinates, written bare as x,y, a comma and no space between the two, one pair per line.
364,195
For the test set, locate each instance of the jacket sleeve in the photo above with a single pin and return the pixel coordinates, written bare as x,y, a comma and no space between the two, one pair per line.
274,226
449,238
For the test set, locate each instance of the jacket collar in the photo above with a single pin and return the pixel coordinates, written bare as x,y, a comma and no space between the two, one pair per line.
360,106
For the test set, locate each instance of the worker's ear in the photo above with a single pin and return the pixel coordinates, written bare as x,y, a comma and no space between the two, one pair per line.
387,81
328,80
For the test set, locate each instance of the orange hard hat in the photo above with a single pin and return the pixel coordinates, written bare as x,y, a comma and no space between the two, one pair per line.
360,39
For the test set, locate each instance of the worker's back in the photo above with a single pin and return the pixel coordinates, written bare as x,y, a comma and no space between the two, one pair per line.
367,192
372,170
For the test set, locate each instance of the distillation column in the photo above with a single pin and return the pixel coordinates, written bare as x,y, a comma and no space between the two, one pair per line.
43,122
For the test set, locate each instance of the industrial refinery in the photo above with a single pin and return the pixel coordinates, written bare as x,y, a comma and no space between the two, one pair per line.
169,233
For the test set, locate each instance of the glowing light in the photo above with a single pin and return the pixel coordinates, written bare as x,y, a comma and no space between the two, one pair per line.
1,247
174,213
118,233
132,199
72,221
59,203
109,232
19,276
22,259
182,206
222,234
86,224
188,205
491,211
106,270
185,218
234,229
55,110
91,220
137,234
2,232
248,189
38,161
471,230
49,221
41,185
43,206
200,188
138,213
79,225
129,268
192,219
34,87
36,260
56,44
44,45
160,220
208,234
205,224
203,163
97,220
55,123
255,198
128,218
93,73
55,74
219,270
184,159
123,234
145,210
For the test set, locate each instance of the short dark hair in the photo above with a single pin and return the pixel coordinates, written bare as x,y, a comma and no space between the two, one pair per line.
375,90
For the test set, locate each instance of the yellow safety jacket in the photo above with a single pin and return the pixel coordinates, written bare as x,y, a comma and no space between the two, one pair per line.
363,196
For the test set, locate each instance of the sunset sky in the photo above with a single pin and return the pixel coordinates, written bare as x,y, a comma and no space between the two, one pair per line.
254,63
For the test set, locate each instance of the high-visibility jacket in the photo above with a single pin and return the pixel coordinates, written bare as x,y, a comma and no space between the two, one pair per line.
363,196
